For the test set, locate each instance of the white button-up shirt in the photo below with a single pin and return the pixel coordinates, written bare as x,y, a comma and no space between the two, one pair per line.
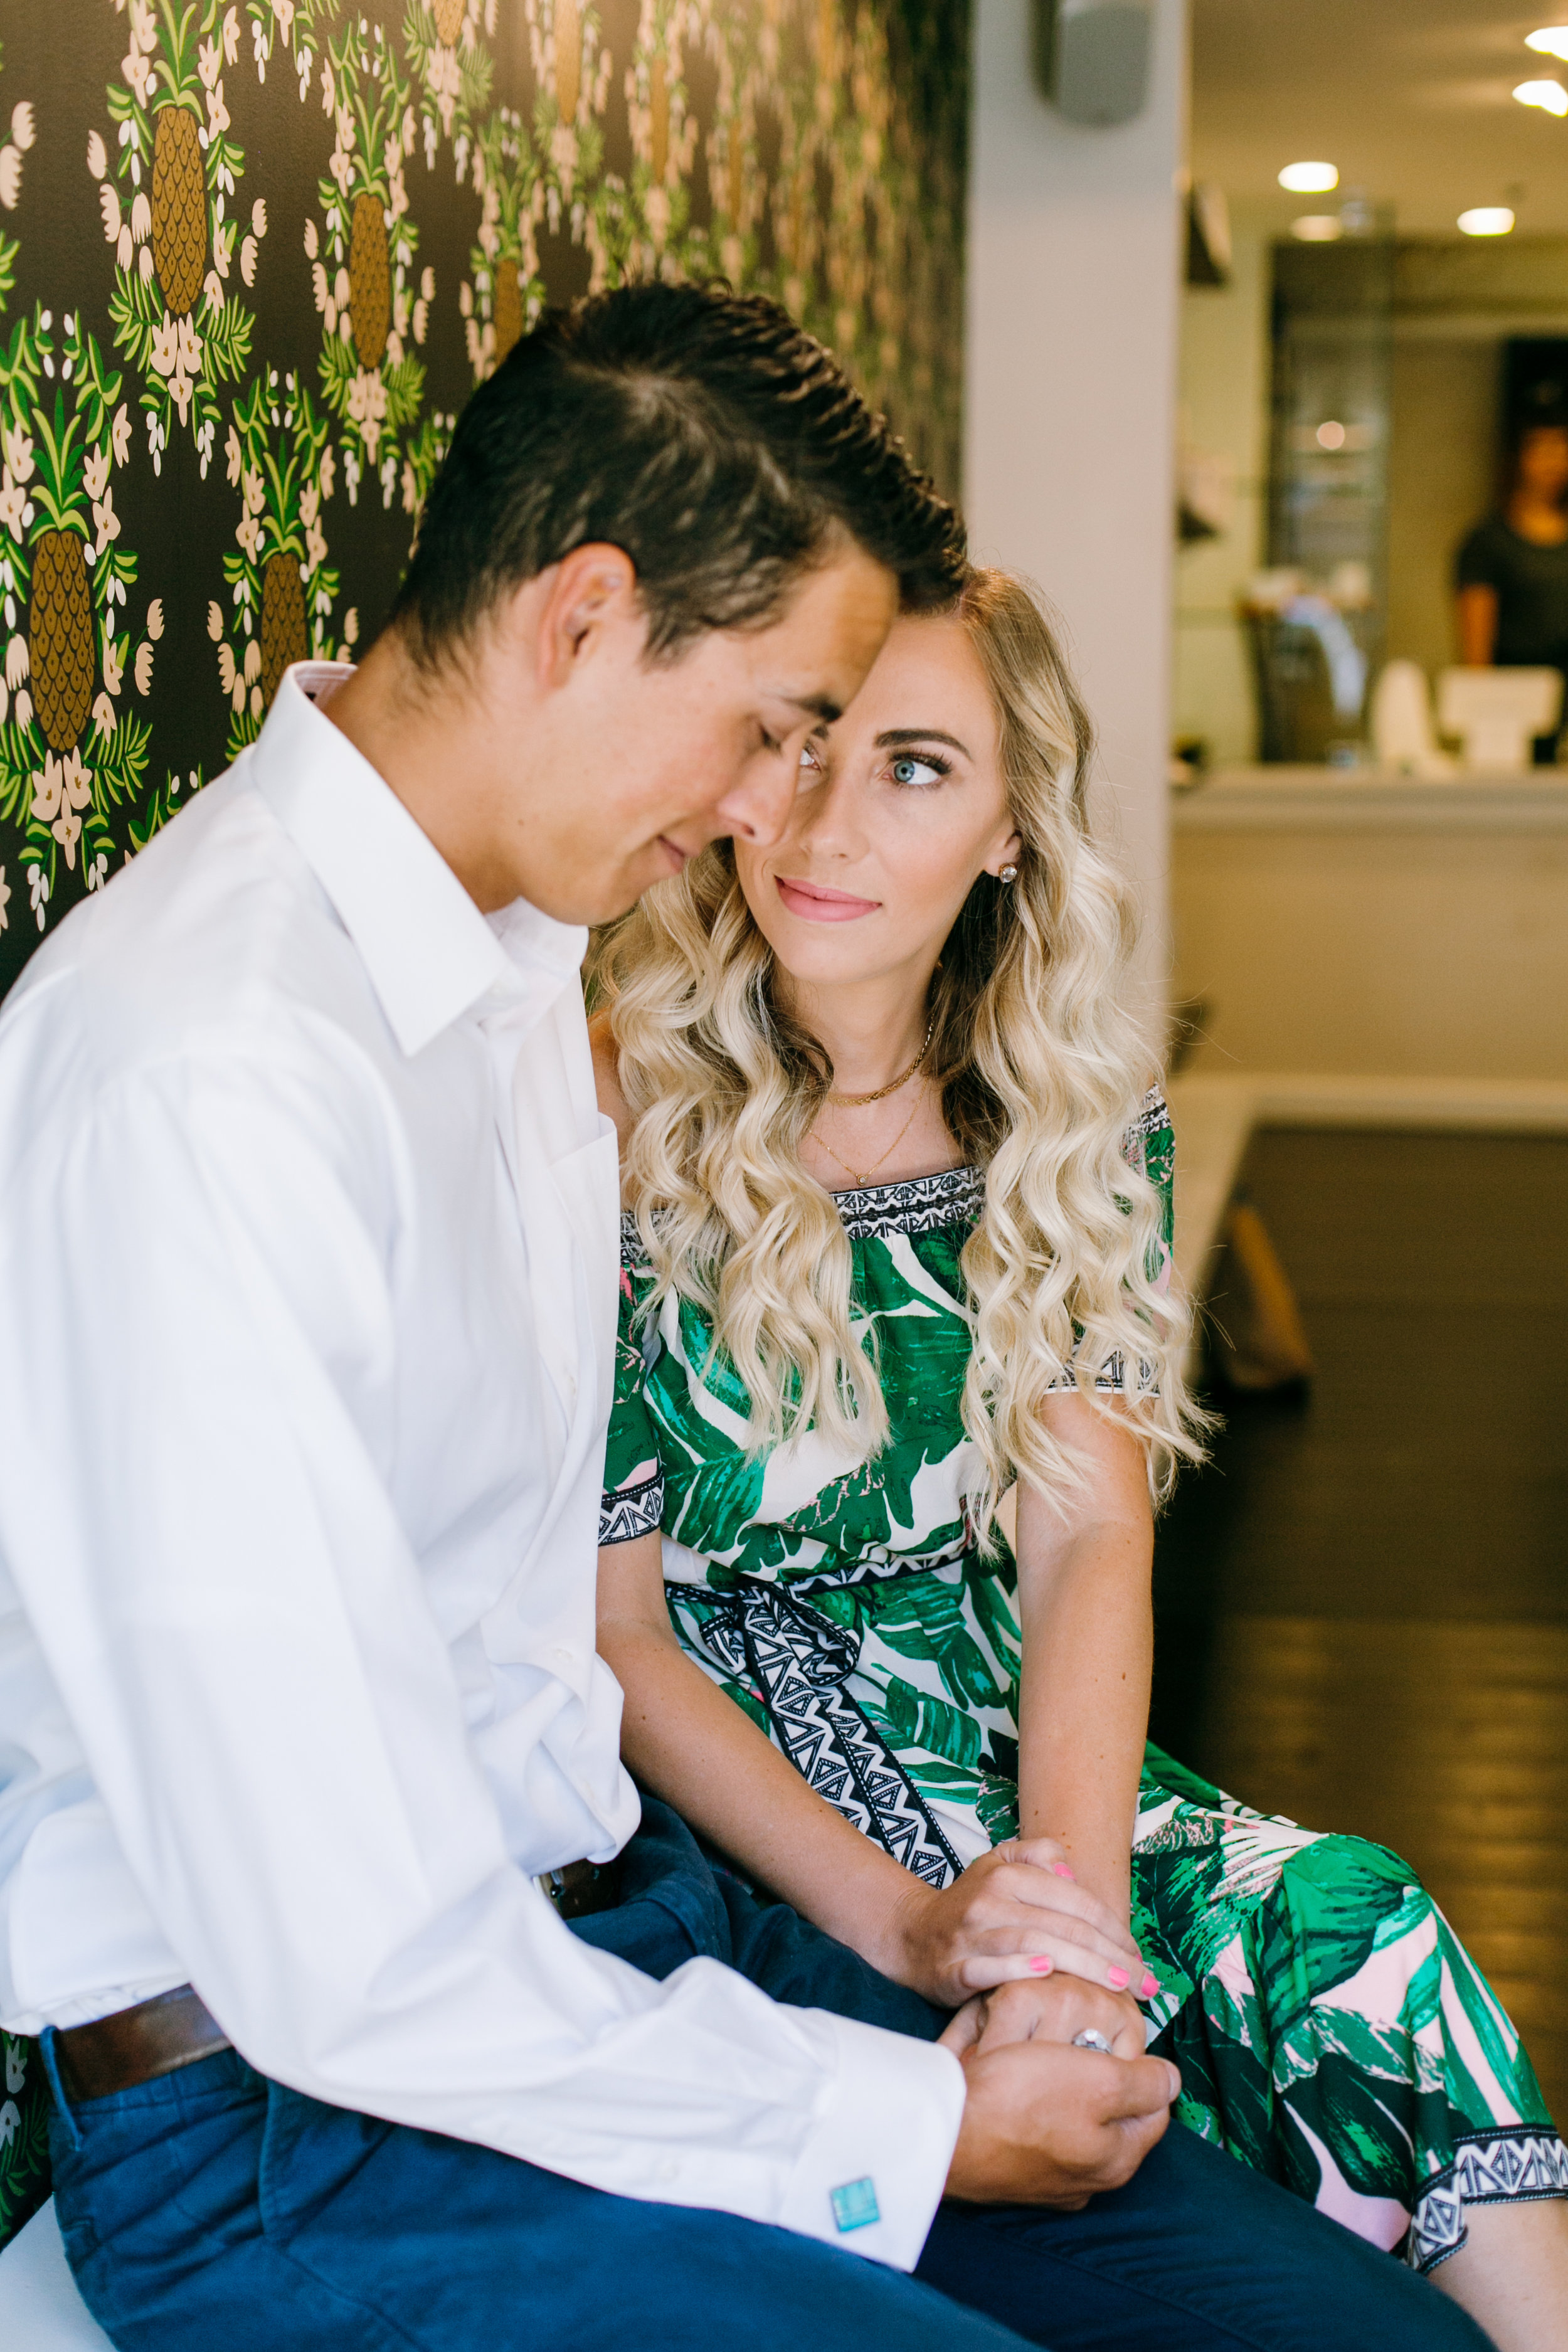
307,1265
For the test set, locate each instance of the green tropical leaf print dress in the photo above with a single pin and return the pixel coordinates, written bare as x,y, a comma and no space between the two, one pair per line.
1329,2029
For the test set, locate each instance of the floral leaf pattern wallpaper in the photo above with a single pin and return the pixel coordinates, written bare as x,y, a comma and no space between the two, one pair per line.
256,253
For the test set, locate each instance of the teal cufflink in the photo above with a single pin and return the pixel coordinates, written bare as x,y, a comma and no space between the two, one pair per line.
855,2205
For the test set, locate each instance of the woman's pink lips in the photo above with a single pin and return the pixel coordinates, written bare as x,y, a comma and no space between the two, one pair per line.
813,904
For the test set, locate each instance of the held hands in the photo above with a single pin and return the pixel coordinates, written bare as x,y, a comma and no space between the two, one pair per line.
1046,2124
1019,1912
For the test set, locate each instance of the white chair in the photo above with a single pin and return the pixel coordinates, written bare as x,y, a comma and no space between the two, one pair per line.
1496,712
40,2310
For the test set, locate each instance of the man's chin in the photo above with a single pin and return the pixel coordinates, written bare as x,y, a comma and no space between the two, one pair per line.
608,897
622,895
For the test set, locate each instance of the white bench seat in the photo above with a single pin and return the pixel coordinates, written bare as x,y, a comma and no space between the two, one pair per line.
40,2310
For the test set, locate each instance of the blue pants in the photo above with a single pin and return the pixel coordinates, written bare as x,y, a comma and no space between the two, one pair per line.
213,2210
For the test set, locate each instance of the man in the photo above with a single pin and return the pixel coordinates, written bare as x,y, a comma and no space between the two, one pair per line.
307,1228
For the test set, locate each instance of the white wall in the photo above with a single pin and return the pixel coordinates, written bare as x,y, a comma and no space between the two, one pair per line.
1070,398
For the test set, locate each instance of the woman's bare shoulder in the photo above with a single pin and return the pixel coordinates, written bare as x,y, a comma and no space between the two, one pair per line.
607,1077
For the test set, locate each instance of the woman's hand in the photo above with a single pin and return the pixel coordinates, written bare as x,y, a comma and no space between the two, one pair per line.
1047,2009
1018,1913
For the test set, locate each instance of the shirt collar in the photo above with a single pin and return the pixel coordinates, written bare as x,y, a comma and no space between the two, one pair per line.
429,952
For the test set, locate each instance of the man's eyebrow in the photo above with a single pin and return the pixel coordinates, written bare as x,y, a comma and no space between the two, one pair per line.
890,738
821,706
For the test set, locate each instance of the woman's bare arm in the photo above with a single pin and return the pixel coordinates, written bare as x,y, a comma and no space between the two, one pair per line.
1477,625
1088,1624
686,1740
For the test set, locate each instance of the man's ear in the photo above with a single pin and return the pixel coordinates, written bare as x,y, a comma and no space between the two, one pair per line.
589,593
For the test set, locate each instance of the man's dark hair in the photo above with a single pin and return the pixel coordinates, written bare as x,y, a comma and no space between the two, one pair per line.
704,434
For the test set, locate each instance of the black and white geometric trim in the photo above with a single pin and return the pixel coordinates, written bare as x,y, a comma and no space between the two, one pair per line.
797,1663
920,1204
1519,2161
1153,1114
631,1511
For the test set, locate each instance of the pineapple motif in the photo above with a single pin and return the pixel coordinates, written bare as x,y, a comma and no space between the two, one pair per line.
283,638
179,209
370,281
449,17
568,59
59,638
508,308
658,114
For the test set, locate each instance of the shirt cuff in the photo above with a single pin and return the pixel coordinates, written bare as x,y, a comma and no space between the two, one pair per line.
871,2174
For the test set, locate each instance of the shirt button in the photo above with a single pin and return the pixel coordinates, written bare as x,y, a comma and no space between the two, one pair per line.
669,2171
565,1655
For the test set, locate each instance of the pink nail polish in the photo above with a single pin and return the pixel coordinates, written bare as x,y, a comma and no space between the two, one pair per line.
1042,1964
1061,1870
1149,1988
1118,1977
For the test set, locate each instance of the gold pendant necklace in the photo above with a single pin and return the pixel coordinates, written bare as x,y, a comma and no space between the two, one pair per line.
863,1176
880,1093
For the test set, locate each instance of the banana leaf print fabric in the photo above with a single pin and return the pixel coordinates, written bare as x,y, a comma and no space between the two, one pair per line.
1329,2029
24,2134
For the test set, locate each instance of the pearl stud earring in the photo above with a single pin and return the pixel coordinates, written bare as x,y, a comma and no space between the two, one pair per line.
1008,874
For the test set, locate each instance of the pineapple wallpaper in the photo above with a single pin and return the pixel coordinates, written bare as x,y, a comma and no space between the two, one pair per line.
254,255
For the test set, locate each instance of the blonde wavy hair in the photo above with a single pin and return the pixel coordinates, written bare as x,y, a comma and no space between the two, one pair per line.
1043,1068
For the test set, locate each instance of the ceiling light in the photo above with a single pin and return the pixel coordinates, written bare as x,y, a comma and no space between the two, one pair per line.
1318,228
1486,220
1550,41
1309,179
1549,96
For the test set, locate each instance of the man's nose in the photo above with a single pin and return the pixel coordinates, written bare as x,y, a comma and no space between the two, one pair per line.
758,809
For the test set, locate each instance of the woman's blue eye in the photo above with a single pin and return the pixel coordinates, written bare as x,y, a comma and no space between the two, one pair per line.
908,769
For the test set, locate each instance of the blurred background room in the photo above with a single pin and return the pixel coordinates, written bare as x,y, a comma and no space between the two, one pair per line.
1242,327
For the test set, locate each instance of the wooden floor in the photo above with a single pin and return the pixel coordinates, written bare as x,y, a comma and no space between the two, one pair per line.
1363,1604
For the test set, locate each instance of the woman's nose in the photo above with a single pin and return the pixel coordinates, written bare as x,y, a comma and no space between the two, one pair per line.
831,822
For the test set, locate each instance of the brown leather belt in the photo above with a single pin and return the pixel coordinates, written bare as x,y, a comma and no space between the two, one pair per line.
583,1888
136,2045
174,2029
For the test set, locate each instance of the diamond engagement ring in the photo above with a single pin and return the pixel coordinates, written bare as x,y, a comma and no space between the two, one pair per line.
1089,2040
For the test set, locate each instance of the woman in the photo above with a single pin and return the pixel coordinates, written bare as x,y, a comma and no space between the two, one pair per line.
887,1146
1512,570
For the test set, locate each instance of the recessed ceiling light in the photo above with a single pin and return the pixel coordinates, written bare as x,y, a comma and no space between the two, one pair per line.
1318,228
1549,96
1550,41
1309,179
1486,220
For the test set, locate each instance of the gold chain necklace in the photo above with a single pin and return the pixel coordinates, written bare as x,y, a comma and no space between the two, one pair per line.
863,1175
880,1093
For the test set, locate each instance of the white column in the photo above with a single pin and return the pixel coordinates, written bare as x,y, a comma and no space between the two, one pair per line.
1074,283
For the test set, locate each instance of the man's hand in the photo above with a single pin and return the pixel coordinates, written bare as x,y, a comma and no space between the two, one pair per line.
1019,1912
1045,2124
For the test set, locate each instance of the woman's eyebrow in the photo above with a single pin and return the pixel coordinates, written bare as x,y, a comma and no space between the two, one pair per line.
891,737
